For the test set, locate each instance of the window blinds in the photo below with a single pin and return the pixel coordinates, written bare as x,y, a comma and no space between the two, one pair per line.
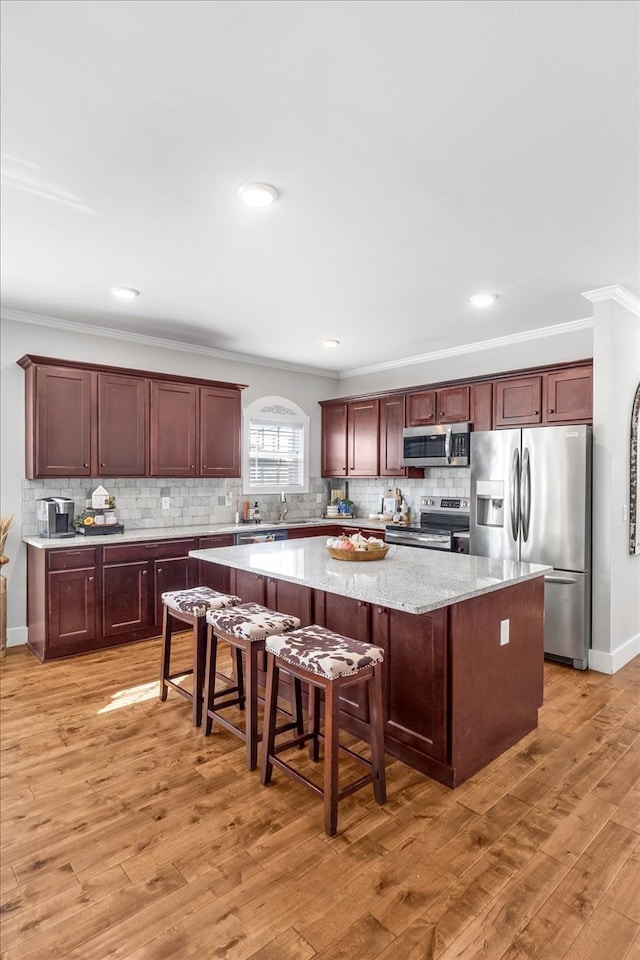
276,454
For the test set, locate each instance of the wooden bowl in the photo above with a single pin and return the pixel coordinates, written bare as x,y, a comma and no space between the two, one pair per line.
358,554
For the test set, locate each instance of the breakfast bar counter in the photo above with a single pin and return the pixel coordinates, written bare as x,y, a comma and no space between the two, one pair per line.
463,638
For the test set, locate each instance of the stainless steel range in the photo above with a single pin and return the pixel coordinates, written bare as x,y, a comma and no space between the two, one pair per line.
441,520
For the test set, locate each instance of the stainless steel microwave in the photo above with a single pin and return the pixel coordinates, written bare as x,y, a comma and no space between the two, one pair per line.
440,445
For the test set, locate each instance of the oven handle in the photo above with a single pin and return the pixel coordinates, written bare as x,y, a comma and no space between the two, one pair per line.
447,445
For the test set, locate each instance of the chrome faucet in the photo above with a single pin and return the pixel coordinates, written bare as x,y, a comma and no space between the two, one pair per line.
283,507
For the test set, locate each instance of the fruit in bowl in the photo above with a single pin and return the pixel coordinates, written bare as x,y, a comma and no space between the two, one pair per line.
365,547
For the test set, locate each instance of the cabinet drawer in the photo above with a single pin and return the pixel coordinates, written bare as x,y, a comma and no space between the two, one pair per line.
210,543
153,550
72,559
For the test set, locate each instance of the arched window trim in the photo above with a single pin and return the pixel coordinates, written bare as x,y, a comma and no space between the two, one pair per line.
284,421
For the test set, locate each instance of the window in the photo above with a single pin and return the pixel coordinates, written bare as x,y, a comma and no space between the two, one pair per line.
275,448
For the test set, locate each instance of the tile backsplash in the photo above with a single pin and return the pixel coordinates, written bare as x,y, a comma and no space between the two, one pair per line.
201,502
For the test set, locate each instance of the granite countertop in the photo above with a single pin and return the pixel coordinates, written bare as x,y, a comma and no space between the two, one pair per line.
135,534
406,579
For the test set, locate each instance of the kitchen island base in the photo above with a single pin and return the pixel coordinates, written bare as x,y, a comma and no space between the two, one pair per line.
461,683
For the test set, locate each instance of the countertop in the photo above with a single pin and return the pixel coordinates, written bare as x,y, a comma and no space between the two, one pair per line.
406,579
136,534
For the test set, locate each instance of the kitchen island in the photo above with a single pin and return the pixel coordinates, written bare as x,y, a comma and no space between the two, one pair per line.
463,639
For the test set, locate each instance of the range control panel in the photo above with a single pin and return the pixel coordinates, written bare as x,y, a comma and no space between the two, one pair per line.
444,503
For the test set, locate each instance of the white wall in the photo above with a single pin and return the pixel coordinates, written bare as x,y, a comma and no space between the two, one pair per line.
616,572
18,338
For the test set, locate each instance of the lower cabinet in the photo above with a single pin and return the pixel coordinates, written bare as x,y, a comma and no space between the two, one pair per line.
85,599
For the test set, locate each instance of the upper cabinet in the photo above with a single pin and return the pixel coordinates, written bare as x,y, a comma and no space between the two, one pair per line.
85,420
350,438
392,421
557,396
449,405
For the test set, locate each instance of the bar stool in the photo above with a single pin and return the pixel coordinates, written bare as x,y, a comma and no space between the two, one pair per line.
190,607
245,628
328,662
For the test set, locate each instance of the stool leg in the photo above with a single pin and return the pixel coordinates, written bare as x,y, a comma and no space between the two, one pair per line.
377,735
296,707
314,722
209,680
165,658
251,728
270,714
199,647
239,671
331,732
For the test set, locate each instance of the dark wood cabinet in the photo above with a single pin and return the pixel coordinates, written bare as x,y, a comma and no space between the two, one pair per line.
517,401
212,574
58,422
390,444
415,713
62,601
569,396
87,420
334,439
122,432
554,397
362,434
219,453
173,429
482,406
448,405
350,439
126,599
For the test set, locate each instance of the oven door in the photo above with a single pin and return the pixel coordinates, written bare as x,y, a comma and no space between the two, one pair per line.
428,540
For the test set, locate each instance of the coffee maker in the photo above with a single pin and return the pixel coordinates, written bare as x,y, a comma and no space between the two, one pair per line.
55,517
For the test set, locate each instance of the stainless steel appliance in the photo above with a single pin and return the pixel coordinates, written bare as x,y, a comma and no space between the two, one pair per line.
265,536
55,517
439,445
531,501
441,519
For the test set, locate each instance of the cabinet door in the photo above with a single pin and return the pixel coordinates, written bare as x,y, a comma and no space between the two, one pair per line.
363,426
173,429
453,405
421,408
570,396
517,401
123,404
126,598
62,423
291,598
482,406
334,440
251,587
414,678
72,610
212,574
172,573
392,414
219,432
350,618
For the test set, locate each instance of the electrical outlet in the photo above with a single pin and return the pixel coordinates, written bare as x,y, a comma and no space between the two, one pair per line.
319,498
228,498
166,503
504,632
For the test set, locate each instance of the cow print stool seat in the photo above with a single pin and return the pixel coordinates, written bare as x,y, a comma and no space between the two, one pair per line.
189,607
245,628
328,662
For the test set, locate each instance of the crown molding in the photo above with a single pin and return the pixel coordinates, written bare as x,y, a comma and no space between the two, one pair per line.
71,326
614,292
541,333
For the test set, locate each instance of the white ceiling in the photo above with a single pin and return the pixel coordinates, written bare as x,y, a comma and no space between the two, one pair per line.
423,151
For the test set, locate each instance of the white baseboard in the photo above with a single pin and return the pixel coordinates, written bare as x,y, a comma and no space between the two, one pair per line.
16,636
614,661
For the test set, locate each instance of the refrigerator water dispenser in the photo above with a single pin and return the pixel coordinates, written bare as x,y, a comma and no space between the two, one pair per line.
490,503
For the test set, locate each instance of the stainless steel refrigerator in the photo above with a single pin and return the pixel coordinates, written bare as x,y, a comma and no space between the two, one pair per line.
531,501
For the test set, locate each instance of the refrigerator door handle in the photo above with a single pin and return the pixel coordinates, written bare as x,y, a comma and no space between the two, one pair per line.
548,578
514,494
525,493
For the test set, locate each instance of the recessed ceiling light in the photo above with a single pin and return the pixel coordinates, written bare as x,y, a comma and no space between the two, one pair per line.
125,293
258,194
330,344
483,299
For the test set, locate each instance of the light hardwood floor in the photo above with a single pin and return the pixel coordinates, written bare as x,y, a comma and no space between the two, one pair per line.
126,834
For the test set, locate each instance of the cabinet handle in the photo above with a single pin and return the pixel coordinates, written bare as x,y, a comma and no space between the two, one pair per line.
103,464
159,569
144,573
550,411
86,464
535,412
192,466
90,579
